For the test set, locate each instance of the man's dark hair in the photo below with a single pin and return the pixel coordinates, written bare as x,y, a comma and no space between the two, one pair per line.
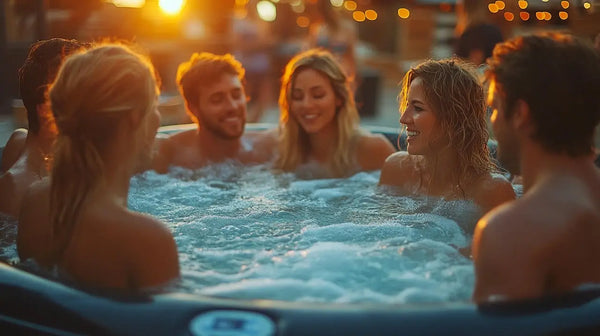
558,76
39,70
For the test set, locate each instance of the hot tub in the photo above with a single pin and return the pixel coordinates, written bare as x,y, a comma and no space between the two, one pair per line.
30,303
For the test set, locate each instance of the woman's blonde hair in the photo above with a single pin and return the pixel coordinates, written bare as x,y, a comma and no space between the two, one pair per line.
94,91
457,99
293,141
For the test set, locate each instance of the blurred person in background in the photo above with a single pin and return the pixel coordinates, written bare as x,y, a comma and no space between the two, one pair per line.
319,133
213,89
27,154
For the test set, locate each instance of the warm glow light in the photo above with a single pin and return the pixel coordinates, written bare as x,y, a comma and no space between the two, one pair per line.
508,16
524,16
547,16
337,3
350,5
302,21
500,4
445,7
545,0
240,13
266,10
371,14
563,15
493,8
129,3
523,4
358,16
241,3
587,5
403,13
564,4
298,6
539,15
171,7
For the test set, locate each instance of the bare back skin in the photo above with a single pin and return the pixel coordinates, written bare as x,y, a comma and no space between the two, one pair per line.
188,150
544,243
100,252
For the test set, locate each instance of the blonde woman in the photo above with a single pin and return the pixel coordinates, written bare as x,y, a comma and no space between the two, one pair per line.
442,106
319,122
77,221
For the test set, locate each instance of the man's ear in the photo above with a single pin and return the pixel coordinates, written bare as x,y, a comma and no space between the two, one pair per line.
521,118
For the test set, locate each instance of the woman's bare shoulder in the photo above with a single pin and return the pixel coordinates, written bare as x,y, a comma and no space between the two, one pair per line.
491,190
399,168
373,150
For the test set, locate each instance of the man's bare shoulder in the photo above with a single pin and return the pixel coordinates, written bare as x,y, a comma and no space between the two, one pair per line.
184,138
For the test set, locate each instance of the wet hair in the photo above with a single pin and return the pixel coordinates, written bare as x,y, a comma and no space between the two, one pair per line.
558,76
39,70
457,98
293,142
94,92
201,70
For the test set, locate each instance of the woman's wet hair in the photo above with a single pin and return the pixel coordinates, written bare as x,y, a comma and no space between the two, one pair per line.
457,99
94,93
293,144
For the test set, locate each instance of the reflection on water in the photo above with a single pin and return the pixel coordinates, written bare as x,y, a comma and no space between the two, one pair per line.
244,233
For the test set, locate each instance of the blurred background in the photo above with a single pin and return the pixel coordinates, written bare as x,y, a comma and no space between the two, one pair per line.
377,40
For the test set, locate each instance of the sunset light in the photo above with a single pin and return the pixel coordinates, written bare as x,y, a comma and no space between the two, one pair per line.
129,3
171,7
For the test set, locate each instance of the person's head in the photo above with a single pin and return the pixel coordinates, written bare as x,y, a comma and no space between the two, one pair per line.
442,106
544,87
104,102
213,89
315,96
38,71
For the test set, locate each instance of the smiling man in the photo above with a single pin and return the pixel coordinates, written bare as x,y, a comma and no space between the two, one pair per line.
545,94
213,89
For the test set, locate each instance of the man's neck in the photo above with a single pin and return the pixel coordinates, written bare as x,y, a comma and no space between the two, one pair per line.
215,148
538,164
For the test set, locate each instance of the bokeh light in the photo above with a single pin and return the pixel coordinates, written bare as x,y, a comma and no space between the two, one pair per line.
129,3
493,8
302,21
337,3
403,13
523,4
508,16
563,15
564,4
358,16
500,4
371,15
266,10
350,5
524,16
171,7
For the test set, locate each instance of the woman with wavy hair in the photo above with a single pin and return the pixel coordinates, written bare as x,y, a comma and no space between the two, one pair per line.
319,122
442,107
104,101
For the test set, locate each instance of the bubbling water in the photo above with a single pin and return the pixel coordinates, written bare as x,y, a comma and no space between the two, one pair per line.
245,233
